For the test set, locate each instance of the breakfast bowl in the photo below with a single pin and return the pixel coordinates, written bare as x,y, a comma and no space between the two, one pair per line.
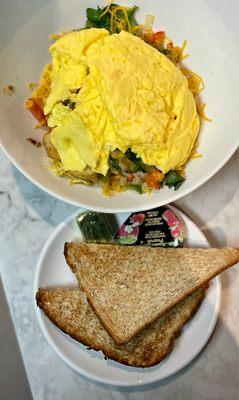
24,52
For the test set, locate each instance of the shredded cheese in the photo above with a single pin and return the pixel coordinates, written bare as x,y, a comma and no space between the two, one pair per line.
106,10
200,109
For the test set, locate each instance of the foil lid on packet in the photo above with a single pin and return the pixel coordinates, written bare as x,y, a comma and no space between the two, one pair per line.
157,227
95,227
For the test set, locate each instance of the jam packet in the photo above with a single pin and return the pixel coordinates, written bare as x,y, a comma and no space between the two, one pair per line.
157,227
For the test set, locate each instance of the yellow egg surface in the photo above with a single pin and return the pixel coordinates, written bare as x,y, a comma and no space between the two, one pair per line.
126,94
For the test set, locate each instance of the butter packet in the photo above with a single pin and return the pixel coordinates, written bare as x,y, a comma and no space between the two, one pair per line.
95,227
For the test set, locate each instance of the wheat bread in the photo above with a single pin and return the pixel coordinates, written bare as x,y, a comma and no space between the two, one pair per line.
69,310
130,287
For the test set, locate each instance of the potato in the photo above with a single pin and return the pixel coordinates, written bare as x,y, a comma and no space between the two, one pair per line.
87,175
50,149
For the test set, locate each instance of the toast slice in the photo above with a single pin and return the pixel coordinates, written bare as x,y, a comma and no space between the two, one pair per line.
129,287
69,310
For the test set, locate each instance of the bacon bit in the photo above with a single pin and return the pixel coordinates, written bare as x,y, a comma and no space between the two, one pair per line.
9,90
34,142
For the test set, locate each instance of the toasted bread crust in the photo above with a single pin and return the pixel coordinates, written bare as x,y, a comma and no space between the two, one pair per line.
145,350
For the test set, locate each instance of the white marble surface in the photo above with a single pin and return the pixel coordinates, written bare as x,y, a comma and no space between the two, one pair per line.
29,216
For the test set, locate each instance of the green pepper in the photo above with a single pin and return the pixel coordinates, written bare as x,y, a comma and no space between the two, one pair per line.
114,164
174,179
105,178
139,166
137,188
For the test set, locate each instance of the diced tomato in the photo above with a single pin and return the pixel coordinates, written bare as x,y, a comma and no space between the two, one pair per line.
159,36
154,178
130,177
36,111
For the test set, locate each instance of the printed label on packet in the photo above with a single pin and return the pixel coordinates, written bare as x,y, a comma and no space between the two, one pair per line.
157,227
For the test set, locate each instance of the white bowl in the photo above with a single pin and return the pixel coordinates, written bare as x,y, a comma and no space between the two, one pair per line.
214,54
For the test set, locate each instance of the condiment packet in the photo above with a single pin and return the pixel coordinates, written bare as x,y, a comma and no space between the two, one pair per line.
157,227
95,227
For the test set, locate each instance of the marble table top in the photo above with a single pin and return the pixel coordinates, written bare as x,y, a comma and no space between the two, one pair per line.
29,216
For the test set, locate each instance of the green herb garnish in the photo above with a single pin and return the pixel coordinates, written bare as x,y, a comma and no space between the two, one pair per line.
114,20
95,20
94,14
174,179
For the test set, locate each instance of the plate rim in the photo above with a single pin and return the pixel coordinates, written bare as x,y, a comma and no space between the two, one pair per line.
40,316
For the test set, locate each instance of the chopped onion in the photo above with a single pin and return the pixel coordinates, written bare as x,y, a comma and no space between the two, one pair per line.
149,19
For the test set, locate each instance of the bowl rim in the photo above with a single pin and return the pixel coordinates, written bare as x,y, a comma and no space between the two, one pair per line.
175,195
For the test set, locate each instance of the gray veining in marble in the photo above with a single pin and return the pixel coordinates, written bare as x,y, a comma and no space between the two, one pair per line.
29,216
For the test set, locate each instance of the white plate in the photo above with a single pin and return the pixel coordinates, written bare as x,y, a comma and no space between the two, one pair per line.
214,54
52,271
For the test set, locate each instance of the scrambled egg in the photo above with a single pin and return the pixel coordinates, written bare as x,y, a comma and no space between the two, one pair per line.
125,94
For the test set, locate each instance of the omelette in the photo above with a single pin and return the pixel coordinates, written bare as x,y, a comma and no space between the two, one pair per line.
119,111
